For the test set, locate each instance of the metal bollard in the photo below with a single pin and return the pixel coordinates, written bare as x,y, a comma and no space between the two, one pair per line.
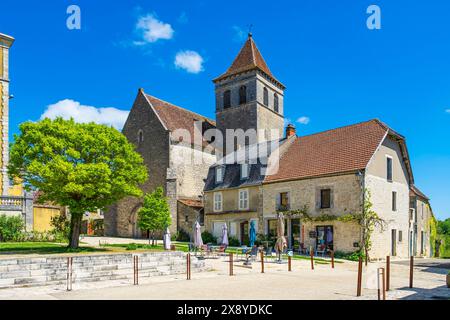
188,266
388,273
262,262
231,264
312,258
381,271
289,263
136,270
358,289
332,259
69,273
411,272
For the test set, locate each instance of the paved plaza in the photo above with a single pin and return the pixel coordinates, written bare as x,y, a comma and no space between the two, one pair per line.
249,283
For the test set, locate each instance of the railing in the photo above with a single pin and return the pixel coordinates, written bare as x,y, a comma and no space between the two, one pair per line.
11,203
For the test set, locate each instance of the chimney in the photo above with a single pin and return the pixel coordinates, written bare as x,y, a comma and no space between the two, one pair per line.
290,131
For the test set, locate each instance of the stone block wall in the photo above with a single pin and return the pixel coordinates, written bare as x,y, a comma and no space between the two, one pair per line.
43,271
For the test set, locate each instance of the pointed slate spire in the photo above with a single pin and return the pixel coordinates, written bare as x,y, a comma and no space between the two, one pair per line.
249,58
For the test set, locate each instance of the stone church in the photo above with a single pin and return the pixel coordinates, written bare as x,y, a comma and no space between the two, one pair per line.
248,96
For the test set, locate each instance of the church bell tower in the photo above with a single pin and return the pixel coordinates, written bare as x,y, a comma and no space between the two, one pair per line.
248,96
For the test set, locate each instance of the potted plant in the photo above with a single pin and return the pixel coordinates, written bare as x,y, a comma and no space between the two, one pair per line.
448,279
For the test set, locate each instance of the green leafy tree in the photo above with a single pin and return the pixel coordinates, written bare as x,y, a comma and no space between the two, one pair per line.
82,166
443,227
155,214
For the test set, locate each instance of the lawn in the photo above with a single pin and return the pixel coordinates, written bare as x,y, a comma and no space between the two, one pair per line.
42,248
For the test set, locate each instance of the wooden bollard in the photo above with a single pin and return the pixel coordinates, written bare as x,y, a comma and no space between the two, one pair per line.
188,266
359,284
332,259
69,273
262,262
312,258
388,273
411,272
289,263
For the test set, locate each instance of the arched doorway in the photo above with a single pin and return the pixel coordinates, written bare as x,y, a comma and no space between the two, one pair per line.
134,230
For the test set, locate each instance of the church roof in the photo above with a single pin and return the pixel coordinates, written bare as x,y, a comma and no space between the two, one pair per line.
249,58
174,117
342,150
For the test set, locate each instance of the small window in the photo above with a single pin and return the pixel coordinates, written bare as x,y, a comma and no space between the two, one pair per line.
201,217
227,99
423,208
217,201
186,219
140,136
394,201
389,169
243,199
283,201
400,236
242,95
219,174
325,198
276,106
266,97
244,171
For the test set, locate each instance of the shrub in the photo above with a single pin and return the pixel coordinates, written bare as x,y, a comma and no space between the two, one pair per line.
207,237
11,228
182,236
352,256
233,242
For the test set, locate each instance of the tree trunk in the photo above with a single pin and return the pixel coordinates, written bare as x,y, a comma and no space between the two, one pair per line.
75,226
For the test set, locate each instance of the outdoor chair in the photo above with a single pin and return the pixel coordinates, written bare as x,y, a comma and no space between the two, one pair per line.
321,250
303,249
254,253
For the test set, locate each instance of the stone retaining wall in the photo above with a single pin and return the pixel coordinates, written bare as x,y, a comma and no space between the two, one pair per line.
25,272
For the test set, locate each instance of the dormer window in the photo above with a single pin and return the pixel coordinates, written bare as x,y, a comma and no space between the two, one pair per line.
219,174
245,170
242,95
227,99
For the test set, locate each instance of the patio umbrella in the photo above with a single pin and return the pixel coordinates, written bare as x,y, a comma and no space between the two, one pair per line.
252,235
167,239
225,235
198,242
281,243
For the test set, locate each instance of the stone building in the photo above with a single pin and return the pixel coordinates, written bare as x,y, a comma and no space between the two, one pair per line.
164,135
420,214
13,199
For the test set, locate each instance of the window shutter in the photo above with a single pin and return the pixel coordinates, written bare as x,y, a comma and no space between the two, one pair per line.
278,201
331,198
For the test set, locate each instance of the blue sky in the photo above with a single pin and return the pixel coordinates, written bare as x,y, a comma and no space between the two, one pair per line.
336,70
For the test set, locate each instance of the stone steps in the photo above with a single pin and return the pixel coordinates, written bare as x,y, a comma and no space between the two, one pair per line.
53,270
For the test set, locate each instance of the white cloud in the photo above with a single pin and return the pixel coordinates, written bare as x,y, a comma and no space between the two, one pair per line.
190,61
303,120
80,113
239,34
448,110
152,30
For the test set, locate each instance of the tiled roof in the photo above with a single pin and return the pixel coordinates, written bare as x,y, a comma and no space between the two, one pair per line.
413,190
174,117
192,203
340,150
249,58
